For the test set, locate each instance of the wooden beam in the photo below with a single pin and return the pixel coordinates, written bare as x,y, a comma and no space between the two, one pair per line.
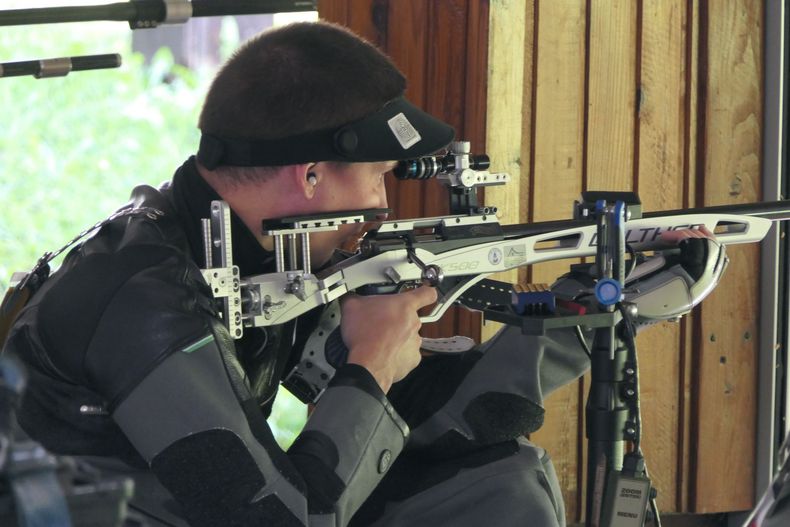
661,140
556,143
509,56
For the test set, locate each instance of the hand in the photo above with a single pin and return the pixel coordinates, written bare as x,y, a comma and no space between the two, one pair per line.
699,250
684,234
381,332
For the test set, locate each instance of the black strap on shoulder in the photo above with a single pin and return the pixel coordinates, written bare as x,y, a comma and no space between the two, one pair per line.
21,291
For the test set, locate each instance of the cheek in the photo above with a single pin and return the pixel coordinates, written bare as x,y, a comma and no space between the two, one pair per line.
374,196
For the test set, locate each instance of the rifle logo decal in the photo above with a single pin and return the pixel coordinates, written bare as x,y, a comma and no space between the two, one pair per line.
470,265
495,256
403,130
646,234
515,255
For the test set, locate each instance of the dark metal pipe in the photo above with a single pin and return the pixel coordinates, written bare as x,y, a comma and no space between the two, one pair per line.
59,67
148,10
770,210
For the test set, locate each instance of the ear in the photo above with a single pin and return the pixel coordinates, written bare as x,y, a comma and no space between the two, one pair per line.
298,178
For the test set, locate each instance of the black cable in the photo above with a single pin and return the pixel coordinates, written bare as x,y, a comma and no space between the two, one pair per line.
652,500
654,510
630,342
583,341
632,261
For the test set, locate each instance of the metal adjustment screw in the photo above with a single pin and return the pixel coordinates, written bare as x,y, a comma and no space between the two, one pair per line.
630,392
629,371
295,287
630,431
433,275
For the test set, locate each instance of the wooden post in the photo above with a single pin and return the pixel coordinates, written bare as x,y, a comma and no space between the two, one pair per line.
726,366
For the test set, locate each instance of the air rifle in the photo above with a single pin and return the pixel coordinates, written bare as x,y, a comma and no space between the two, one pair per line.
452,253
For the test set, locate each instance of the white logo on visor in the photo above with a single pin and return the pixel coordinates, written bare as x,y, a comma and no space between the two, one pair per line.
404,132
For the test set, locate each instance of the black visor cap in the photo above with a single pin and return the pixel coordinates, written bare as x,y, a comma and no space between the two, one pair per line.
398,131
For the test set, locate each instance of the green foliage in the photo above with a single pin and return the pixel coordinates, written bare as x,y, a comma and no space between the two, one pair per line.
72,148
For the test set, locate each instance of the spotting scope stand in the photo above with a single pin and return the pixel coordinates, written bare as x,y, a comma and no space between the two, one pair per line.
618,487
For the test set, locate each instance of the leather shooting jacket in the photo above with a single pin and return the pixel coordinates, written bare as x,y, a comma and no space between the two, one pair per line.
127,357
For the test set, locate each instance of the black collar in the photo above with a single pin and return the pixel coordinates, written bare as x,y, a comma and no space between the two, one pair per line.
192,197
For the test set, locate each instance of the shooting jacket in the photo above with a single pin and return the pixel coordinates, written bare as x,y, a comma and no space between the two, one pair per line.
127,357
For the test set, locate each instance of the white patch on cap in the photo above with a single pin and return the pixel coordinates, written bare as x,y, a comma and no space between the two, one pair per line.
404,132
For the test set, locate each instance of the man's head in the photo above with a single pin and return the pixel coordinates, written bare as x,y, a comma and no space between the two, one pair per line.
297,78
306,119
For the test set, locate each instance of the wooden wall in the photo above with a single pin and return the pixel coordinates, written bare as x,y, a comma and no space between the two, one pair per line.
662,97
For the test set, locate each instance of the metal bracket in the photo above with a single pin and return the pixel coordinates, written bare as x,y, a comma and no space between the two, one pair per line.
59,67
177,11
220,273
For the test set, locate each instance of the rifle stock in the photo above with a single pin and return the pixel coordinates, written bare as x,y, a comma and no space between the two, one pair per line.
467,249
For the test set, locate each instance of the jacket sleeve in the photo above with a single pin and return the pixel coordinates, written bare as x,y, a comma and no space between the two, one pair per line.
176,390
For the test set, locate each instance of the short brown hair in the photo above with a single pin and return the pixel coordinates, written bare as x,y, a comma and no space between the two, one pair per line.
295,79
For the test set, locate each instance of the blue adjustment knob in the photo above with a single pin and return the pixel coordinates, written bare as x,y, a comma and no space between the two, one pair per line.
608,291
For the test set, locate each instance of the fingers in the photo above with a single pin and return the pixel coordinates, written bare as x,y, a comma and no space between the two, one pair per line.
682,234
674,236
422,296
